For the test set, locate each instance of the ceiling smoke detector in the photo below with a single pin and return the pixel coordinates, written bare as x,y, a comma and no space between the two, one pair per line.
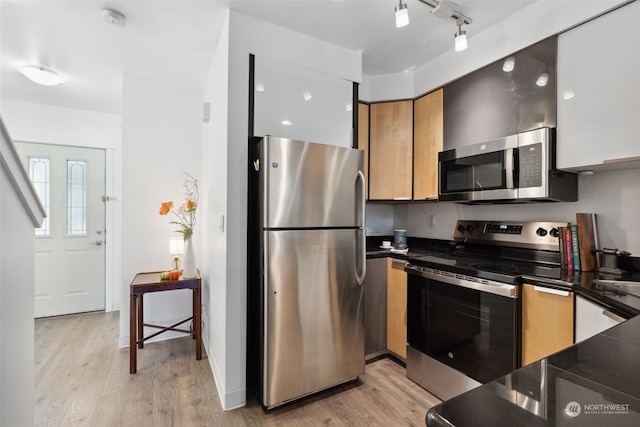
114,18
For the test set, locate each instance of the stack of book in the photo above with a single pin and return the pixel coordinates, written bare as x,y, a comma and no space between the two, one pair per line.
577,243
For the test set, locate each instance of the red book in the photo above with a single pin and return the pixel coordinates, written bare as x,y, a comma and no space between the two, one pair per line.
568,248
561,246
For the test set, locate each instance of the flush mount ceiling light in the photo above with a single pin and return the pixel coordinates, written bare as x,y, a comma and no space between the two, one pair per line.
114,18
509,64
41,75
402,15
444,9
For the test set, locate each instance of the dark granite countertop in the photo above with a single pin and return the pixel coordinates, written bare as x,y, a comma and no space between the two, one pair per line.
593,383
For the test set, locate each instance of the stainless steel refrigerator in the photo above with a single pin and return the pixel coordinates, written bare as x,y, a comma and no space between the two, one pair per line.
306,266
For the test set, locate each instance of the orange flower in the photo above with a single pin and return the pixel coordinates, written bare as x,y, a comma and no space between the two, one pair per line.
165,208
190,205
186,213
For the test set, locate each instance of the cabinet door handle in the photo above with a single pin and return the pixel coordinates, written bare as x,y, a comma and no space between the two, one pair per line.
615,317
621,160
551,291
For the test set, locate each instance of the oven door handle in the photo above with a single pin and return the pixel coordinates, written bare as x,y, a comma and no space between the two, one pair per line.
482,285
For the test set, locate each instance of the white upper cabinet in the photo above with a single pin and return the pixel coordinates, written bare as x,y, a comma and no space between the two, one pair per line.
598,102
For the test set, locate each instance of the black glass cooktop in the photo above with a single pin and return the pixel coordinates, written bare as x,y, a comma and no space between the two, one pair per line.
490,269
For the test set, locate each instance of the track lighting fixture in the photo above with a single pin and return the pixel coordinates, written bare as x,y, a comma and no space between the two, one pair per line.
402,15
460,37
442,9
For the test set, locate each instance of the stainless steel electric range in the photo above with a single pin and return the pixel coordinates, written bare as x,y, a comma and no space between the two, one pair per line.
463,308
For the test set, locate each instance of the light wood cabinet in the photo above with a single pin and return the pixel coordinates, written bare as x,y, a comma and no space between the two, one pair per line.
597,94
391,150
427,142
397,307
363,139
547,322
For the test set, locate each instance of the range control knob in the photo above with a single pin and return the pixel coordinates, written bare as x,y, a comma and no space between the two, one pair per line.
469,229
461,228
554,232
541,232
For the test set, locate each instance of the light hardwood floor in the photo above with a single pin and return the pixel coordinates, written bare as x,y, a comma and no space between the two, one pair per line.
82,379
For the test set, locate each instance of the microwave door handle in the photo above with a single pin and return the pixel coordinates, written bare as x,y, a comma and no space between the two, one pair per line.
509,166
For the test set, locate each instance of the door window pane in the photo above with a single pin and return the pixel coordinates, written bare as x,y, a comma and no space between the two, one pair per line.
40,174
76,197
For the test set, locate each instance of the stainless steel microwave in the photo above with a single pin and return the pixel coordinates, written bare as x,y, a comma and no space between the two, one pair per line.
516,168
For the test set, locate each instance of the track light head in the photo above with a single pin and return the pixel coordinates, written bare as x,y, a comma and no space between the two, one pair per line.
460,37
402,15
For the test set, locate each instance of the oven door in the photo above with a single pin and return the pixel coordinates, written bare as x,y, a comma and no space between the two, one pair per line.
468,326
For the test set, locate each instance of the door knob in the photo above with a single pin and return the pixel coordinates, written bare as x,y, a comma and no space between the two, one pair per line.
97,243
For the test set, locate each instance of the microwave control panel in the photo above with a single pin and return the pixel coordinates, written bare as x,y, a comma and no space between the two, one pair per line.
530,165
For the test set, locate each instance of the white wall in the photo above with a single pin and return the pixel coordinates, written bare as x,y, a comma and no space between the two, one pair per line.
161,139
613,196
214,192
228,300
387,87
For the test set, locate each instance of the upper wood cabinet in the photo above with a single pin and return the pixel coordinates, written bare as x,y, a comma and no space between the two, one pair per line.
363,138
598,93
391,150
427,142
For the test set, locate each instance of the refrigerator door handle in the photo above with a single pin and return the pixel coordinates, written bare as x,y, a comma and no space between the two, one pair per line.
363,244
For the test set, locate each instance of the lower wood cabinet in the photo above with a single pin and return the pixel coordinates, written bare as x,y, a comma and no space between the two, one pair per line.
547,322
397,307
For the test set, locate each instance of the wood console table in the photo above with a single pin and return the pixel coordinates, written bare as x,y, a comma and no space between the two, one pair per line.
150,282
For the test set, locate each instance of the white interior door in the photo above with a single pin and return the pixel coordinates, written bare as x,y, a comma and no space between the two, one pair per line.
70,246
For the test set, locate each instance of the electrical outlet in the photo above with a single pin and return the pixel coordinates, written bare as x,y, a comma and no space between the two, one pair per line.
431,221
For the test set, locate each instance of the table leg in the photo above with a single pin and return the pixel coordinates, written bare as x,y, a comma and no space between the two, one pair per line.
132,335
140,321
197,321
